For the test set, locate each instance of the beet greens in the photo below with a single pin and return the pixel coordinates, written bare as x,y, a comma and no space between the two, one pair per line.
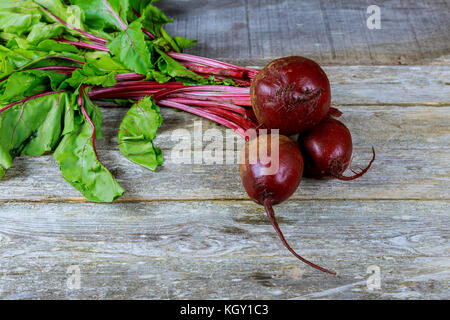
57,56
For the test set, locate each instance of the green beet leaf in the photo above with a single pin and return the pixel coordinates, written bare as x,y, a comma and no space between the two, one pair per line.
184,43
154,20
25,5
131,49
171,67
94,113
18,21
29,82
101,14
92,75
31,128
72,15
103,61
17,58
54,46
42,31
137,8
78,160
137,132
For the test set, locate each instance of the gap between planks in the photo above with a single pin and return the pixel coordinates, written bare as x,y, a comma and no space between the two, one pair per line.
406,104
110,104
144,200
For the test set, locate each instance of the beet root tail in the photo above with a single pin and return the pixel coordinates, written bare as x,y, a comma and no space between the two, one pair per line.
271,215
359,174
334,112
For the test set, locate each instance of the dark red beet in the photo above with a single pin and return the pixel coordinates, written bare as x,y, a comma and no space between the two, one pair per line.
291,94
327,149
270,189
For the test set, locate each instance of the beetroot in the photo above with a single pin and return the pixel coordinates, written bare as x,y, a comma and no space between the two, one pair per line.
270,189
291,94
327,150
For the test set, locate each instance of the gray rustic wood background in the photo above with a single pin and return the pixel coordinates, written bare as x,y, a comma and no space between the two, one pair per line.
190,231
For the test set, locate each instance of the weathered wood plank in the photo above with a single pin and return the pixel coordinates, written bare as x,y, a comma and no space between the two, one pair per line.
227,250
363,85
413,157
331,32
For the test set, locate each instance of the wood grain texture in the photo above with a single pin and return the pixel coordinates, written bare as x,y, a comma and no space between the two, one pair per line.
228,250
331,32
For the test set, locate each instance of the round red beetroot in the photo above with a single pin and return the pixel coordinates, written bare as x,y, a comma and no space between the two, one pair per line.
269,188
327,149
276,187
291,94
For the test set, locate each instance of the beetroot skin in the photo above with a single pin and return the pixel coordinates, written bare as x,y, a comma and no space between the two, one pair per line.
291,94
327,150
277,187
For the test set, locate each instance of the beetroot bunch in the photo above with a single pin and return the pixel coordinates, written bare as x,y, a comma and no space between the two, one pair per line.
293,95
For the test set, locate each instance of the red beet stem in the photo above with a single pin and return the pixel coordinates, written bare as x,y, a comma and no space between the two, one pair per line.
205,114
84,45
213,90
237,74
125,88
335,112
203,103
148,33
129,76
210,62
245,102
358,175
271,215
30,98
84,33
234,117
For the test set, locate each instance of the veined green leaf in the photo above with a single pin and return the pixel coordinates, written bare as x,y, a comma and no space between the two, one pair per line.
18,58
137,132
131,49
171,67
42,31
101,14
154,20
94,114
55,46
31,128
137,8
90,74
158,76
82,169
29,82
105,62
57,7
184,43
79,163
18,22
17,5
72,15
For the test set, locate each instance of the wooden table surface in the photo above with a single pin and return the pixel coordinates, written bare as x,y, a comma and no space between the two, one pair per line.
190,231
